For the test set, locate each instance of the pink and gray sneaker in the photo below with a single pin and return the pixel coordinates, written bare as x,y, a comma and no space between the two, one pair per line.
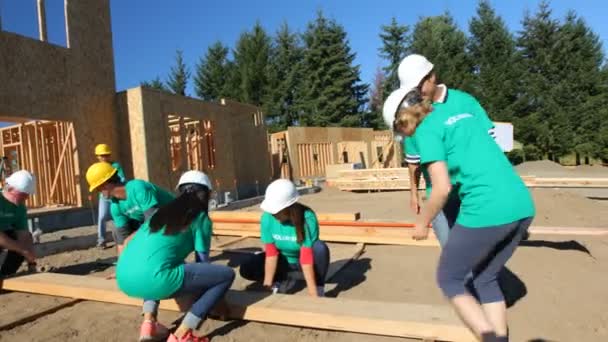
152,331
188,337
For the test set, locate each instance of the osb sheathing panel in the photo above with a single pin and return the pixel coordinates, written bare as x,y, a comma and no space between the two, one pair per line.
333,135
241,149
43,81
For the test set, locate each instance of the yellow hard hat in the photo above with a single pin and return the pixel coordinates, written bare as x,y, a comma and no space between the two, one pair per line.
99,173
102,150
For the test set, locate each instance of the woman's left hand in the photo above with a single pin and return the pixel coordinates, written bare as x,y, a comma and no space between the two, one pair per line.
420,232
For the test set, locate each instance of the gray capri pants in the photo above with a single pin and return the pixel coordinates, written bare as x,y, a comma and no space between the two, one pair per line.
484,251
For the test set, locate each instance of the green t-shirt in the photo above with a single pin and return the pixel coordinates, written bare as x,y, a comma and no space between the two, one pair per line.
455,102
490,190
152,264
284,236
141,196
121,174
12,217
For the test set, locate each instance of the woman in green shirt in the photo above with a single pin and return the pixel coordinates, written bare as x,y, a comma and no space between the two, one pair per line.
290,233
152,265
496,209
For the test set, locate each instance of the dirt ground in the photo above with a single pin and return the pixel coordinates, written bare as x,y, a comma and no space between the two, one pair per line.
556,284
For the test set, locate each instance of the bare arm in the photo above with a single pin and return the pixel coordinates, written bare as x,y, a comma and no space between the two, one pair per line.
441,189
23,245
414,172
270,268
309,276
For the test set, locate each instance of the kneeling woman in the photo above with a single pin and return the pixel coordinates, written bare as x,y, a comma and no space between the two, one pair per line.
152,265
290,233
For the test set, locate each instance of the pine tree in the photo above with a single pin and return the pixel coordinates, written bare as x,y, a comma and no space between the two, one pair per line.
395,42
537,42
577,92
251,59
284,76
211,73
154,84
495,81
444,44
332,92
179,75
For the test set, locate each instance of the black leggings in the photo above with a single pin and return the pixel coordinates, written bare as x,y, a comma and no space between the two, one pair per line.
13,259
288,274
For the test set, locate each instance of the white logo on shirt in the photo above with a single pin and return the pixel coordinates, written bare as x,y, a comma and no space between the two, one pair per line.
278,237
454,119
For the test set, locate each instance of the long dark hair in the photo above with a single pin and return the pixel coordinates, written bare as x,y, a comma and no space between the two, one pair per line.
296,216
177,215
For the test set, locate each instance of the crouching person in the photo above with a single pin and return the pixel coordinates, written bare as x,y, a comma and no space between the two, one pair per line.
14,235
152,266
290,233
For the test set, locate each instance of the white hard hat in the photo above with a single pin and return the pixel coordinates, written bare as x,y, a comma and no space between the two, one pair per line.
280,194
22,181
194,177
391,104
412,70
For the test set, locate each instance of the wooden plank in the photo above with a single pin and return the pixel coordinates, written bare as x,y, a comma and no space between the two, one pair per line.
61,158
369,235
255,215
367,317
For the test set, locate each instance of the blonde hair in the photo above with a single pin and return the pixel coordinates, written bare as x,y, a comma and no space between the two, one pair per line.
408,118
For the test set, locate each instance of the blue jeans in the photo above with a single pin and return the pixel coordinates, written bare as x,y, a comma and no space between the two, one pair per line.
445,220
103,216
288,274
208,282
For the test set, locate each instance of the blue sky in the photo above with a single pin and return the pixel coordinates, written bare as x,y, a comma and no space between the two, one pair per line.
147,33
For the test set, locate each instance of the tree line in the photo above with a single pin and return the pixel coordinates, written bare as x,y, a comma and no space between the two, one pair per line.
549,79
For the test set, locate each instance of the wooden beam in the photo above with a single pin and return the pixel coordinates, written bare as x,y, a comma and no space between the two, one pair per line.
61,158
255,215
359,234
367,317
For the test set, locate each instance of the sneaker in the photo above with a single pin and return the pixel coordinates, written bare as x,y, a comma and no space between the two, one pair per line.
152,331
188,337
101,245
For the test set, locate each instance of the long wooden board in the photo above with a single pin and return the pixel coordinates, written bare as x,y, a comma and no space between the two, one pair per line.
255,215
360,234
368,317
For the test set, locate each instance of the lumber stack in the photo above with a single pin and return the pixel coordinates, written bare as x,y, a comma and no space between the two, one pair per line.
425,322
565,182
398,179
374,179
255,215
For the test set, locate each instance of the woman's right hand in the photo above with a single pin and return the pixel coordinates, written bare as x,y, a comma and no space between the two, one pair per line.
29,256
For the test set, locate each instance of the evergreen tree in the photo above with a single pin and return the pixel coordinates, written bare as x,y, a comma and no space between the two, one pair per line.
579,78
395,42
444,44
154,84
332,92
211,73
284,77
541,61
179,75
251,59
495,81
